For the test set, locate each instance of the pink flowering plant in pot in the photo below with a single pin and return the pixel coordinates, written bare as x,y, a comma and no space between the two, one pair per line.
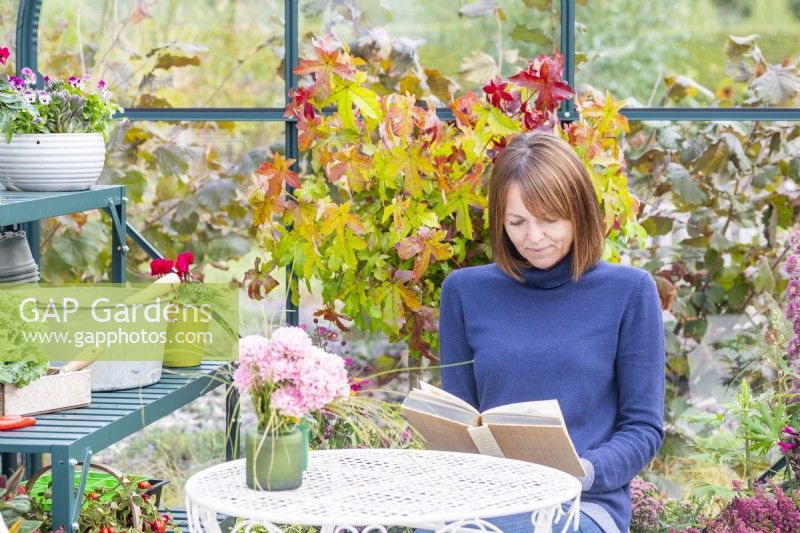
55,130
287,378
74,105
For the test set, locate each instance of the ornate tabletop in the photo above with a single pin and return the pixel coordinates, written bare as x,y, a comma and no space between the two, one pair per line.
379,487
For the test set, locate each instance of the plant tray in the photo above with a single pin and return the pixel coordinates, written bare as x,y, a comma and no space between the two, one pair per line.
52,392
99,482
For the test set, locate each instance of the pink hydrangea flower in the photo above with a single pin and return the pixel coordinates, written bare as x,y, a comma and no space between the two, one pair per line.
288,374
290,341
289,401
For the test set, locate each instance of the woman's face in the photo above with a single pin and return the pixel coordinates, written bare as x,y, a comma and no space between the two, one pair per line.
543,242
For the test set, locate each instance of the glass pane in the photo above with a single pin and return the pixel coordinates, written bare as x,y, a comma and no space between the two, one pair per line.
717,218
411,44
169,53
676,52
8,34
187,185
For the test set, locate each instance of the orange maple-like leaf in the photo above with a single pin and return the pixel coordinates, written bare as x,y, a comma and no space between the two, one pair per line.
271,175
462,109
425,245
351,164
330,60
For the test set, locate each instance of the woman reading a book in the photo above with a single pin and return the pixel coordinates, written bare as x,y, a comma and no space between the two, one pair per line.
550,320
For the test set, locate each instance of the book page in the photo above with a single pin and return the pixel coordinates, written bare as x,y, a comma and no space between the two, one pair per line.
440,433
545,445
536,411
444,410
484,441
443,395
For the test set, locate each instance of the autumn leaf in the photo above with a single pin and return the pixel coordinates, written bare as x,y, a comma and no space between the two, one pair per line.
463,107
351,164
604,113
330,314
347,228
496,92
300,105
259,281
401,116
398,211
330,61
426,244
271,175
347,95
412,163
544,76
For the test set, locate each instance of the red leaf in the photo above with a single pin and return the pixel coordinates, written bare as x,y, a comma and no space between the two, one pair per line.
544,76
496,92
300,105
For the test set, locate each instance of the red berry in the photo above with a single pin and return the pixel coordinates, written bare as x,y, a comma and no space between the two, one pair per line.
144,485
92,496
146,497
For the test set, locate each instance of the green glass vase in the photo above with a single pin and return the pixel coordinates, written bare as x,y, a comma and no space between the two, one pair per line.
274,460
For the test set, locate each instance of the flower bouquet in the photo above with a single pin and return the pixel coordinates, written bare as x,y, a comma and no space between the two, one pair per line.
287,378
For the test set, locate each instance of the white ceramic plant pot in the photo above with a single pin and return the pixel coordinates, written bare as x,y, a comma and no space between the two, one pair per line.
52,161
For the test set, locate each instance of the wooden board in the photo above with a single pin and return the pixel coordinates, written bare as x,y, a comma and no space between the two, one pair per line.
53,392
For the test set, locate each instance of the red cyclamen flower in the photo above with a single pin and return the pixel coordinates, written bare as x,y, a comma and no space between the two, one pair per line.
182,263
159,267
4,53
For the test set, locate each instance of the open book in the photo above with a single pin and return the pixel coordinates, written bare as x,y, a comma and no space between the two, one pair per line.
529,431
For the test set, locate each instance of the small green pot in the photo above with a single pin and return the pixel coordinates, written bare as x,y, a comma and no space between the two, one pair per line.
179,353
274,460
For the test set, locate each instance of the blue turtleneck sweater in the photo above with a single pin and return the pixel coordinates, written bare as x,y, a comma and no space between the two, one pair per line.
595,344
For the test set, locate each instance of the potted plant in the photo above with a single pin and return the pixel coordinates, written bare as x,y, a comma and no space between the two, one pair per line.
55,135
116,503
287,378
187,325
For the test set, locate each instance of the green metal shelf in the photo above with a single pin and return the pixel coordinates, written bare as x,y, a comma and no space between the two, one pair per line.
74,435
28,208
21,207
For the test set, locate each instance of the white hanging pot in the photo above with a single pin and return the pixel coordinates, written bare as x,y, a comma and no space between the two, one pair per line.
52,161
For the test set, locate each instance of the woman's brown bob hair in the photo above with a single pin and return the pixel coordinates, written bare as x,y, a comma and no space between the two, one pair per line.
553,182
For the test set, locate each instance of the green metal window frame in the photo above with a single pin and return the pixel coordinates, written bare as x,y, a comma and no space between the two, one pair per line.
27,52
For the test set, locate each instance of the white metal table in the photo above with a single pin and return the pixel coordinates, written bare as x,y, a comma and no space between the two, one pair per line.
342,489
